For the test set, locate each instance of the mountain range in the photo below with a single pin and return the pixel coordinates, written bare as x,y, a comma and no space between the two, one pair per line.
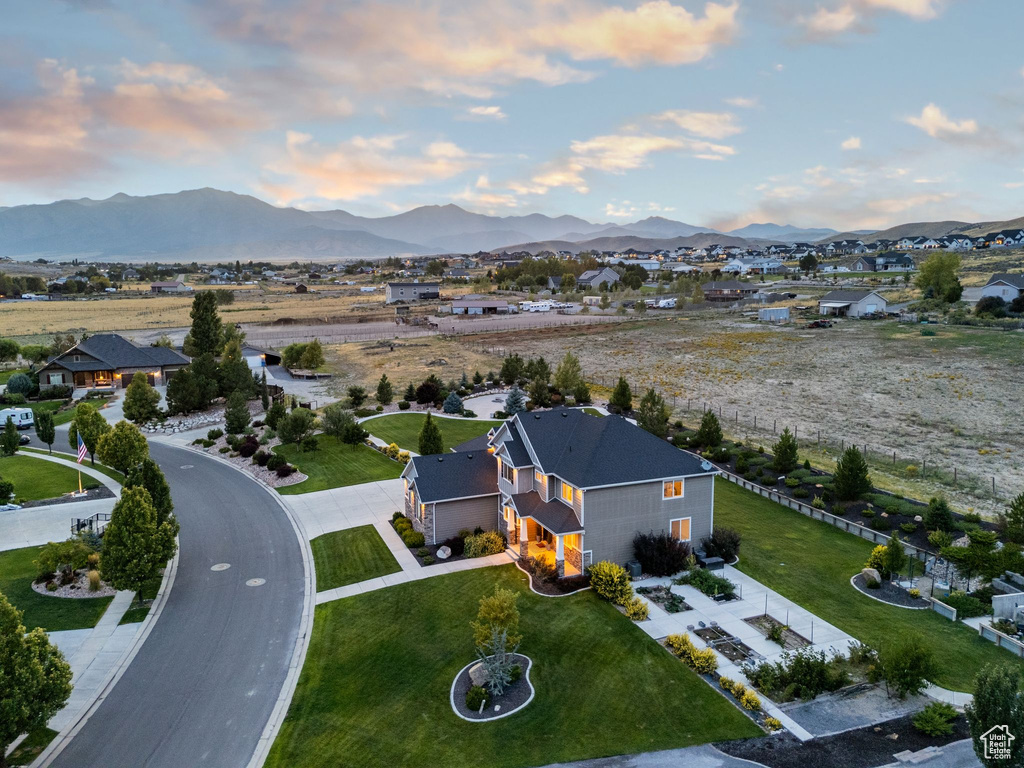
214,225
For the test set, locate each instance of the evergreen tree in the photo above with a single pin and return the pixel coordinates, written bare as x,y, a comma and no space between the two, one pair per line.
275,414
581,393
569,374
313,356
653,414
207,333
236,415
45,430
356,396
234,374
1013,520
141,401
182,392
91,425
895,555
122,447
938,516
539,394
851,480
512,369
997,702
478,379
9,439
206,377
538,368
453,403
430,442
36,679
464,381
385,393
621,400
134,547
785,453
264,392
147,474
410,394
605,301
698,294
709,433
515,402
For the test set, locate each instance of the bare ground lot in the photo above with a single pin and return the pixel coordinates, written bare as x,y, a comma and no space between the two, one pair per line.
953,399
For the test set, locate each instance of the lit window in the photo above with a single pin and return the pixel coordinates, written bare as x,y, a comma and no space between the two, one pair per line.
567,492
538,477
673,489
508,473
681,529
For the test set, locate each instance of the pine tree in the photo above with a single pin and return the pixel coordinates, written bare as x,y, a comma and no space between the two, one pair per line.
851,480
621,400
182,392
410,394
134,547
430,442
234,371
141,400
452,403
207,333
264,392
1013,520
236,415
653,414
581,393
539,394
9,439
385,392
36,678
709,434
785,453
569,374
895,555
515,402
478,378
45,430
122,447
206,379
512,369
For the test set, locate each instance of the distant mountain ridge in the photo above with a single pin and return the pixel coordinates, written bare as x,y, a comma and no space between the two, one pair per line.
213,225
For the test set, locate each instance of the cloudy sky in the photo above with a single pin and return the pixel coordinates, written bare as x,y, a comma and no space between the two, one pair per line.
842,113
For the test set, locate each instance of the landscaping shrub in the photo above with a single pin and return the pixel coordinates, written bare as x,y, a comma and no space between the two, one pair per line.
801,493
456,544
742,465
275,460
477,697
936,719
750,702
876,560
703,662
636,609
966,606
611,582
248,448
773,724
285,470
94,581
660,554
59,392
402,525
798,675
908,527
261,458
483,544
818,503
309,444
403,405
428,560
905,665
880,524
215,434
938,517
395,516
224,448
792,482
723,543
362,413
413,539
72,551
707,582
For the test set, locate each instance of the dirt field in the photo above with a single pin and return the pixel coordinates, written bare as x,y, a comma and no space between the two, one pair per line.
953,399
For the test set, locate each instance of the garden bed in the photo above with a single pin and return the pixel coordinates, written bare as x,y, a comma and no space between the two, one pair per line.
860,748
90,494
890,593
516,696
731,647
551,586
665,598
77,589
778,632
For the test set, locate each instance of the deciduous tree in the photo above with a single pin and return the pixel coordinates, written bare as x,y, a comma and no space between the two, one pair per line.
147,474
313,356
938,277
122,447
569,374
45,429
9,438
91,425
997,702
134,546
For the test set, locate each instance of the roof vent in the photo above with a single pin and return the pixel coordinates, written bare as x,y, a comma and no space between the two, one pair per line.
470,456
565,414
440,458
536,415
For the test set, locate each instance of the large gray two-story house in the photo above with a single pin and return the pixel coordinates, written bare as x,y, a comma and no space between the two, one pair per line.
564,482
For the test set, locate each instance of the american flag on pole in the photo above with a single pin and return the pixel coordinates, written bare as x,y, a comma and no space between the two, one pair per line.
82,450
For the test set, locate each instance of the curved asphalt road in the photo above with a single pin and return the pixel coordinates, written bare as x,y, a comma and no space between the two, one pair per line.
202,687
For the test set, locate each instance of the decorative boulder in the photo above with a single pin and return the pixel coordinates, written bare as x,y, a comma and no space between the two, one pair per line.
443,553
918,519
478,675
870,574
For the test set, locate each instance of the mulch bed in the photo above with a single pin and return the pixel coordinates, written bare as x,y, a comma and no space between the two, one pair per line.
514,696
90,495
665,598
861,748
555,587
889,593
728,645
791,640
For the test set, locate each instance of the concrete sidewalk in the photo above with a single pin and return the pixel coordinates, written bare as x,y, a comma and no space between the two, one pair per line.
34,526
93,653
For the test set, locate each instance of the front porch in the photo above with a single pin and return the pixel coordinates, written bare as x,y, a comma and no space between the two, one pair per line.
561,550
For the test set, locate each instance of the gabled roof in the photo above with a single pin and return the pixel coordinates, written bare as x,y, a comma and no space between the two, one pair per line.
591,451
554,516
728,285
455,476
851,296
1017,281
115,351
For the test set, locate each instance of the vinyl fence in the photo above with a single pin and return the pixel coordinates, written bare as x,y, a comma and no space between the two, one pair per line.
944,610
1003,641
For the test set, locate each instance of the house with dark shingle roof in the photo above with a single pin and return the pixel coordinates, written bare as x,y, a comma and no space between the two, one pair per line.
107,360
566,484
1006,286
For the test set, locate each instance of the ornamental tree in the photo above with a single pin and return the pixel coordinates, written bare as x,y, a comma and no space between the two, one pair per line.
90,424
147,474
515,402
141,401
9,439
851,479
452,403
122,447
785,458
653,414
430,442
709,434
385,392
134,546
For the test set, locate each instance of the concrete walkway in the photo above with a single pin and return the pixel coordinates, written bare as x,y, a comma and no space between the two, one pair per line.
34,526
703,756
321,512
93,653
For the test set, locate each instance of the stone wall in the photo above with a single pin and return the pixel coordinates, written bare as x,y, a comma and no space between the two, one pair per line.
575,558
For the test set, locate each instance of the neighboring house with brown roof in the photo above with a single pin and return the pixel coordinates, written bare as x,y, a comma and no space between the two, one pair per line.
566,483
107,360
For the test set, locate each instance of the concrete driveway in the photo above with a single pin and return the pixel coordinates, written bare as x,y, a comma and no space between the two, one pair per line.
337,508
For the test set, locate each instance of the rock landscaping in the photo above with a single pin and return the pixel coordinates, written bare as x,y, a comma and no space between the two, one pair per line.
888,592
514,698
665,598
95,492
77,587
268,471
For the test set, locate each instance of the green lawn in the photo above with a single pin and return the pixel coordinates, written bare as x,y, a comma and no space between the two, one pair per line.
113,474
137,612
31,747
36,479
811,563
6,375
336,464
403,429
53,406
374,690
593,411
50,613
345,557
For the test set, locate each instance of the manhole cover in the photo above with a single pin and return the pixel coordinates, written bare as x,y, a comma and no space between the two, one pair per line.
220,567
255,582
187,466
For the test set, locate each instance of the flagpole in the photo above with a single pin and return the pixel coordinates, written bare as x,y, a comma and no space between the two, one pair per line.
79,480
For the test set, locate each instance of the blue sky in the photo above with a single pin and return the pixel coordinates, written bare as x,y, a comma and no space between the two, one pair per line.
842,113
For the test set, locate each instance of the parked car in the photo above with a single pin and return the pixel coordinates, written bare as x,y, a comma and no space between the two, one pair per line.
24,440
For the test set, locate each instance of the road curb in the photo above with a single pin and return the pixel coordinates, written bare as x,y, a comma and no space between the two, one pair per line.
291,681
62,739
